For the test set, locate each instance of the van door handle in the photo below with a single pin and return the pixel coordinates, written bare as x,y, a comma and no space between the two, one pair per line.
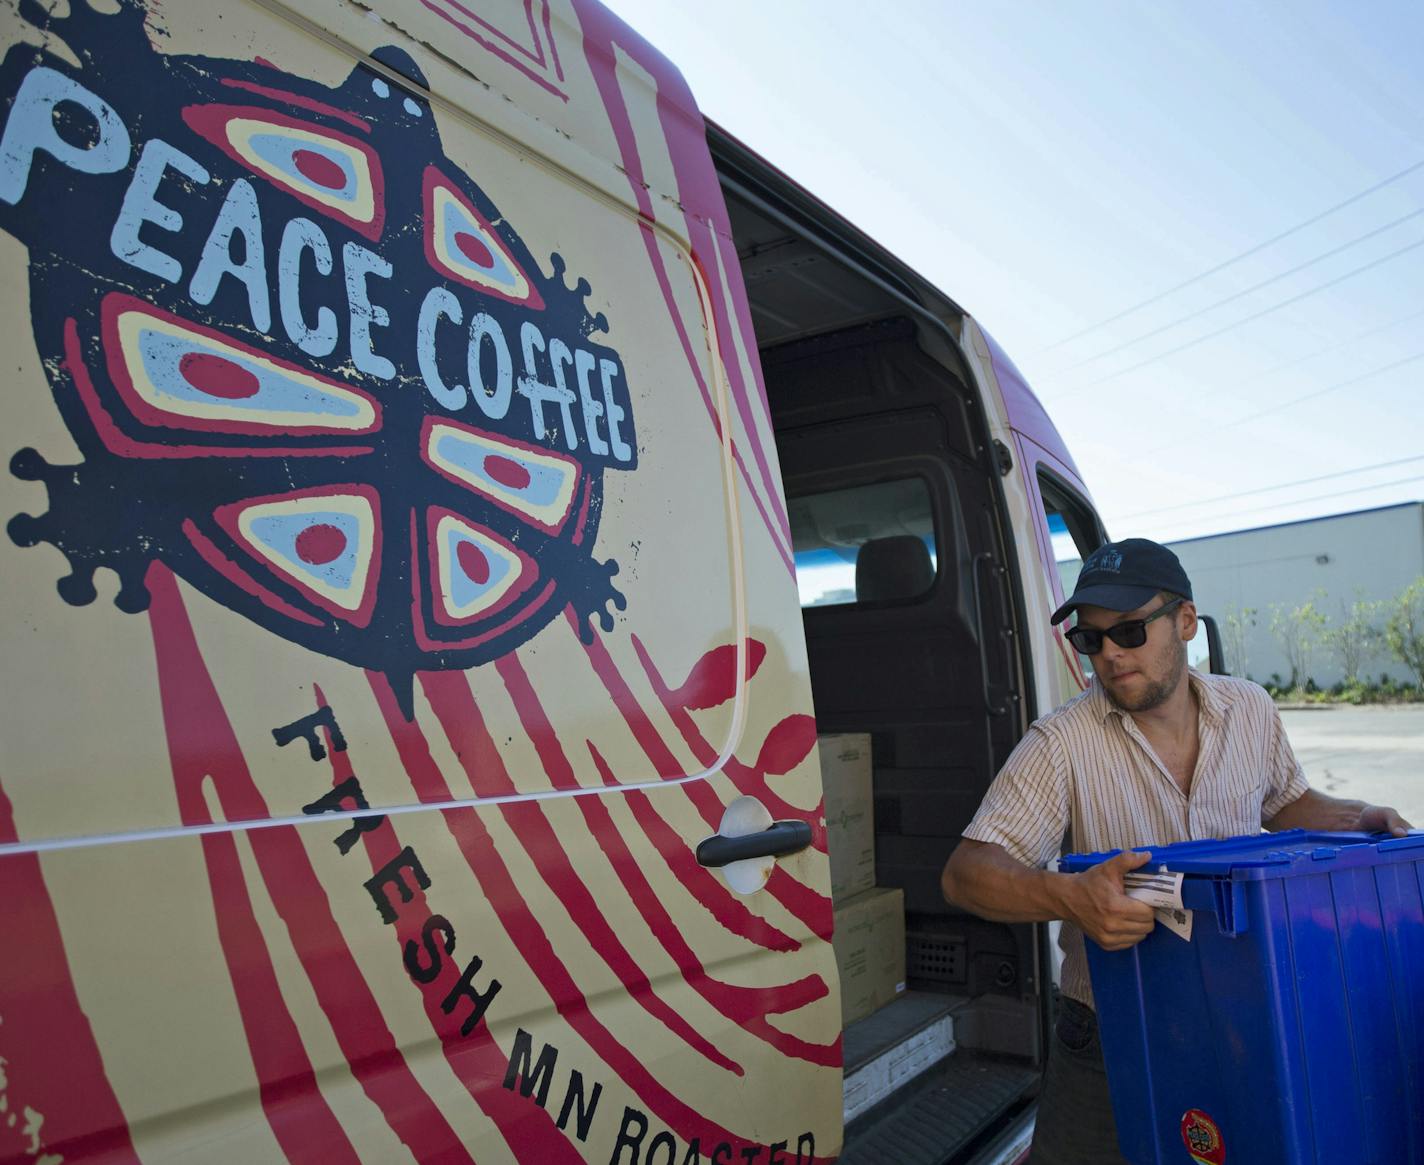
777,840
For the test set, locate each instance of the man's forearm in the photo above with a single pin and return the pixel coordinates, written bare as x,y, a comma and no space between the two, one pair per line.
985,880
1316,810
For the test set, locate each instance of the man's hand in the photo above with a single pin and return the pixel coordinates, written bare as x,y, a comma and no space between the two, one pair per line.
1316,810
983,878
1096,902
1382,819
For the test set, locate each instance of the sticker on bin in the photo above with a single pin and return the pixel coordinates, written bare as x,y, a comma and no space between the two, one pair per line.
1202,1138
1163,892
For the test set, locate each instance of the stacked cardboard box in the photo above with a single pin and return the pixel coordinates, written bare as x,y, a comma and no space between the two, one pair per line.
870,951
869,937
850,814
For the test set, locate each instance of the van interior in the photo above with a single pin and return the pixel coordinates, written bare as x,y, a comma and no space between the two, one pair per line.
910,614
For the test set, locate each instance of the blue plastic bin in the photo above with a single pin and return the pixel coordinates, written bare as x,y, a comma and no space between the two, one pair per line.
1290,1029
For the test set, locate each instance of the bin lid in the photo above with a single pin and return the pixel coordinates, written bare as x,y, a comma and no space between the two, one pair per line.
1284,852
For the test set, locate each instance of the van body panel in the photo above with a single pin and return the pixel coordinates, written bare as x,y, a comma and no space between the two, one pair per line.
369,698
1024,410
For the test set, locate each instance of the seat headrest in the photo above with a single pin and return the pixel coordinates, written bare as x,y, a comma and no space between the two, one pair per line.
897,567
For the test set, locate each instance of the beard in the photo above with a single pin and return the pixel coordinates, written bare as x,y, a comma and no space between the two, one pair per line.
1157,692
1153,696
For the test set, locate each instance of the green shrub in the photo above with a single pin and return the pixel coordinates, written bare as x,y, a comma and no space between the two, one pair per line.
1360,691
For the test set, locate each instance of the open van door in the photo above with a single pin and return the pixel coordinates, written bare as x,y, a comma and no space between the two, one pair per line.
401,598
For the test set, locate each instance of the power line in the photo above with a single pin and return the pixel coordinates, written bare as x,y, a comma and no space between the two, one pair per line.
1167,327
1285,404
1242,322
1272,488
1345,343
1320,497
1295,400
1177,439
1278,406
1246,254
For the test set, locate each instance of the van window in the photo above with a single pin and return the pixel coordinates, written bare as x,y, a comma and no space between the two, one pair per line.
1072,525
868,543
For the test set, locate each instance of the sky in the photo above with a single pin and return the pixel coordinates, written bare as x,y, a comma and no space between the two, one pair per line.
1197,229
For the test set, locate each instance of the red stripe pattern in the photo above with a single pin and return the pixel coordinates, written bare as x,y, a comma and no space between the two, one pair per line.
203,747
52,1078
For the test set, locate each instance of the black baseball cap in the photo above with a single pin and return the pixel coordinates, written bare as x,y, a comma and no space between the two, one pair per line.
1122,576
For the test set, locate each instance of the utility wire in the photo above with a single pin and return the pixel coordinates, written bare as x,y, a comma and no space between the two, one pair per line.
1316,498
1242,322
1256,377
1246,254
1295,400
1176,441
1285,404
1167,327
1246,493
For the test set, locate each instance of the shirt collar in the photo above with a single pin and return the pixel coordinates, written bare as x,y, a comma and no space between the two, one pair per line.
1209,698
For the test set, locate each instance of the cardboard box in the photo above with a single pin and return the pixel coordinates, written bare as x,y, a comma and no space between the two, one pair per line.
869,943
850,813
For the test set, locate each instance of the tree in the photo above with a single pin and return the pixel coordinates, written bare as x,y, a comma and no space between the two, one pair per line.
1404,629
1298,631
1237,623
1356,637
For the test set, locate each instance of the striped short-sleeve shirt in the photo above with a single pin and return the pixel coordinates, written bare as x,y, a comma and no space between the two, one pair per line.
1087,771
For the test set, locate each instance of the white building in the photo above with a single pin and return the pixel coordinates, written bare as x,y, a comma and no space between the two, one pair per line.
1368,555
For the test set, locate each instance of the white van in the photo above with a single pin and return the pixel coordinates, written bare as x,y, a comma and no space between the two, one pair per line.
452,488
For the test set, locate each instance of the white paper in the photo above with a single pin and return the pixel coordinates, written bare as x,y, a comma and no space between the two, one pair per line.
1163,892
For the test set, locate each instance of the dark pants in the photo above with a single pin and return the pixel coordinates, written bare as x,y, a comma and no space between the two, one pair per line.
1075,1118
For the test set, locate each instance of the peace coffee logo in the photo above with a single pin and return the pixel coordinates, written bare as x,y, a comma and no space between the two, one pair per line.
309,364
1202,1138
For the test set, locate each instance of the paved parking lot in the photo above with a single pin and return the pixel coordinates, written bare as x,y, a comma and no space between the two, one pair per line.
1371,753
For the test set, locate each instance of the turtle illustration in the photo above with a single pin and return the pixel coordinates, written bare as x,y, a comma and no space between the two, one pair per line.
308,363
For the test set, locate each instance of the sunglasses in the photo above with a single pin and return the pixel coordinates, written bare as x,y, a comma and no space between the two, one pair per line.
1132,633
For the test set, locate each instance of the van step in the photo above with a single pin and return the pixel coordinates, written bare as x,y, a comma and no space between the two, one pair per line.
869,1037
890,1047
940,1114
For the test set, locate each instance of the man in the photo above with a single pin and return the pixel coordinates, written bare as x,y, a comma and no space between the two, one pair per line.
1151,753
